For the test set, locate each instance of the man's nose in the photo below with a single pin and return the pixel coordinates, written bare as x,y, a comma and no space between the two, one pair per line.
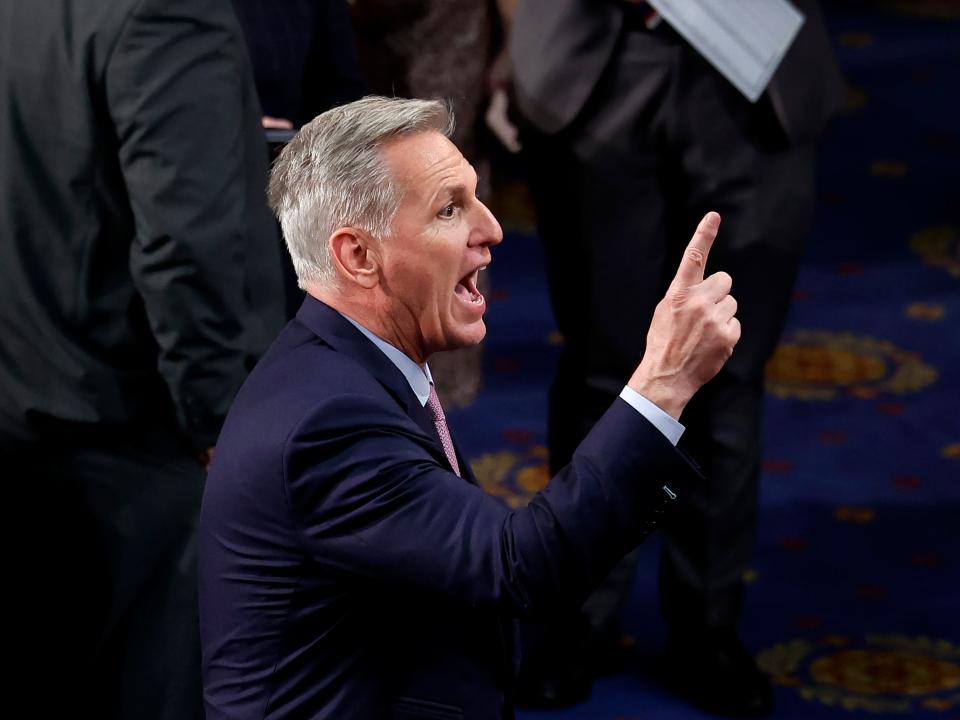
487,230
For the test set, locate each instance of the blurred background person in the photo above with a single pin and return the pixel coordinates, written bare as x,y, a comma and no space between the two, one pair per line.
431,49
139,282
630,135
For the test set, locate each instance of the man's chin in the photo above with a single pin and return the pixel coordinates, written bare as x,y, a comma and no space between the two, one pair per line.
466,337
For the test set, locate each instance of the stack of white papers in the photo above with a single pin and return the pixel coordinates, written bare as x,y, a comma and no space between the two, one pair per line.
745,40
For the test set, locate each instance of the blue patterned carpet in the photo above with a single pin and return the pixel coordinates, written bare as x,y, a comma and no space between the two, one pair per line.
854,598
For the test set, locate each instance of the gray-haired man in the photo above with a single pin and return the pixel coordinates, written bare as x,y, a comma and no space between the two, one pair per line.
350,565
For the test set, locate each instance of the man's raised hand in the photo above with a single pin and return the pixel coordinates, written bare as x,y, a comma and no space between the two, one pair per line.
693,331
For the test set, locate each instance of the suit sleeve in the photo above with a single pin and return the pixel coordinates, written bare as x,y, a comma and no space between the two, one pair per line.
368,498
174,91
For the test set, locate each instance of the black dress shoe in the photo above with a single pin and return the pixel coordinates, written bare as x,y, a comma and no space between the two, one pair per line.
713,670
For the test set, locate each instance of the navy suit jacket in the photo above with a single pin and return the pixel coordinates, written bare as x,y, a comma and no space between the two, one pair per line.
347,572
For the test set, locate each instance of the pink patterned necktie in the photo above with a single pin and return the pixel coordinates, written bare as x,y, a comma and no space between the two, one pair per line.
440,423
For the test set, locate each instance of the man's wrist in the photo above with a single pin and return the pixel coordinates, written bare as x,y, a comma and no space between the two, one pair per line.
661,392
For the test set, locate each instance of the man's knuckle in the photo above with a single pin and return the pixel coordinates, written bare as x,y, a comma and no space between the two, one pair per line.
695,256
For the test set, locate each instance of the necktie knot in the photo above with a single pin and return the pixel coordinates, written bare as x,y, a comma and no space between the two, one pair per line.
440,423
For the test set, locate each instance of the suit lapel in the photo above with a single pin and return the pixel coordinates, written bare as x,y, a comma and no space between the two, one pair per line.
342,336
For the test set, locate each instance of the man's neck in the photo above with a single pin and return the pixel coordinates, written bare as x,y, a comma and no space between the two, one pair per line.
374,319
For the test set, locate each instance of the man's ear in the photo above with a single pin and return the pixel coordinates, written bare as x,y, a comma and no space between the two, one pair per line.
355,256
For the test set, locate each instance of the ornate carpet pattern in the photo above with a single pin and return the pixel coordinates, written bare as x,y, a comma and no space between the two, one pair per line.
853,602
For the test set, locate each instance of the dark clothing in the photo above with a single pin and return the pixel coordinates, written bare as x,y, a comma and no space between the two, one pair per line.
632,137
139,281
108,546
303,54
135,233
304,62
347,572
563,50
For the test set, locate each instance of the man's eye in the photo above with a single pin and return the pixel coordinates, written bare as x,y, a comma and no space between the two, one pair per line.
449,211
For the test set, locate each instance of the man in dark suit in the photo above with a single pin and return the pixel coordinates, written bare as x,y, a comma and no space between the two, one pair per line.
350,565
139,281
630,136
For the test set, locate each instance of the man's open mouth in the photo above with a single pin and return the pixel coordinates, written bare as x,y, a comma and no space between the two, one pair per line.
467,287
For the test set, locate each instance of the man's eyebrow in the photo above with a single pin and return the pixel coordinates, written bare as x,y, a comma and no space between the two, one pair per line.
449,190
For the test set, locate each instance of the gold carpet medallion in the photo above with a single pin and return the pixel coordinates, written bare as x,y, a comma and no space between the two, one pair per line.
820,365
925,312
514,477
951,451
895,674
855,515
939,246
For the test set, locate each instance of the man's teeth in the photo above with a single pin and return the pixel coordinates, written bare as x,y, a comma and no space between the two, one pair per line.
469,284
470,288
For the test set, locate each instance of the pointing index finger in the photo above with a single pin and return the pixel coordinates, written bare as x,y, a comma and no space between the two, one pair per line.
695,256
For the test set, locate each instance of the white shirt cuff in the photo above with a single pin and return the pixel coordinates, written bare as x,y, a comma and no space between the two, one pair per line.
671,429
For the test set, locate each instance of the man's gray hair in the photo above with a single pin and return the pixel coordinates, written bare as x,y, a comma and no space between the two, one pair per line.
332,175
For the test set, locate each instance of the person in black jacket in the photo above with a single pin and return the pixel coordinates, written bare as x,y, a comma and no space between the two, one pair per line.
630,136
139,282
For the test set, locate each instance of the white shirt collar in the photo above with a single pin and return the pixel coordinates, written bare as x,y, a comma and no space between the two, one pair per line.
419,377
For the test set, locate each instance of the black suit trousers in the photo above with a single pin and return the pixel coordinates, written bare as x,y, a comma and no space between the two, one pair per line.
107,521
662,140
